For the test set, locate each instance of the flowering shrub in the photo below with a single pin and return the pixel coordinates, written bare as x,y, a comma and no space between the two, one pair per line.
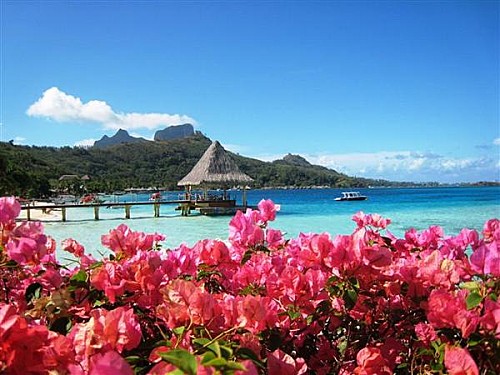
365,303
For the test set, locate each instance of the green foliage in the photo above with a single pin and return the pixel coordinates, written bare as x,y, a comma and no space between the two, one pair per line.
33,171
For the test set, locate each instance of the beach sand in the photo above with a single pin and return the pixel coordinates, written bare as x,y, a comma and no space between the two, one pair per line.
39,214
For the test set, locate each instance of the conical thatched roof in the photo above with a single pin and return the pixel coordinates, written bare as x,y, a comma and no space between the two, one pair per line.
215,167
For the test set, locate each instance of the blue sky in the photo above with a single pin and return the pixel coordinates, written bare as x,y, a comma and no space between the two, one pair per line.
400,90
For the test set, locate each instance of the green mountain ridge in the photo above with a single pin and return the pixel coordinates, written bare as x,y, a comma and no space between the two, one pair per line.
34,171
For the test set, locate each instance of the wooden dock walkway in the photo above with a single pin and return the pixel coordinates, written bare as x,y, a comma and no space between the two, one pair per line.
96,206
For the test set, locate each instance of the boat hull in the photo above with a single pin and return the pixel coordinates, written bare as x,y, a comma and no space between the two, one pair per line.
351,199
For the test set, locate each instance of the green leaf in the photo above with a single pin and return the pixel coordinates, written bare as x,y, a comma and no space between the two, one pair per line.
215,362
202,341
98,303
473,300
182,359
179,330
207,357
226,352
232,365
350,298
246,256
215,347
61,325
79,277
34,291
245,353
96,264
10,264
176,372
470,285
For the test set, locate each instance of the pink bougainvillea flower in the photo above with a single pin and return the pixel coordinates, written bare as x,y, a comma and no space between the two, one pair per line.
115,330
280,363
244,231
267,210
28,244
73,247
373,220
486,258
371,362
162,368
31,349
491,230
109,278
250,368
109,363
212,252
9,210
459,362
425,333
256,313
121,329
491,318
274,238
442,307
125,243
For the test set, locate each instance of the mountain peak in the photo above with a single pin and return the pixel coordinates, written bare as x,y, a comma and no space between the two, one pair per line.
121,136
174,132
296,160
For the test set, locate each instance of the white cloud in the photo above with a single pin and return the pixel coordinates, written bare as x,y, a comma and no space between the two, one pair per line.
56,105
496,141
85,143
19,140
408,166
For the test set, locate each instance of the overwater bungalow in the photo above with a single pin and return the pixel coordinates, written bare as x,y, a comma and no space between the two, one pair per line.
215,170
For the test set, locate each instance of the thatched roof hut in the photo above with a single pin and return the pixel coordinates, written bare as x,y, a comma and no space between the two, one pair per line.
215,168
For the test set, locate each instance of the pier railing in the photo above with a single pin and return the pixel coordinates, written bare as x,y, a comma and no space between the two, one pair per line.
96,206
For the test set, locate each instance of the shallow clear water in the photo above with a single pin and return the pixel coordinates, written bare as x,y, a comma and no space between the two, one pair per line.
301,211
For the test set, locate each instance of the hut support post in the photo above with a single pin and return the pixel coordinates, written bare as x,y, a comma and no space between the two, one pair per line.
244,196
127,211
28,216
96,212
63,212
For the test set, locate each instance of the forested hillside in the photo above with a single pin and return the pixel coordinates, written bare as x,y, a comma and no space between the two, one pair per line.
34,171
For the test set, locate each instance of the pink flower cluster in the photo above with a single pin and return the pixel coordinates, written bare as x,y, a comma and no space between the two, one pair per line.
365,303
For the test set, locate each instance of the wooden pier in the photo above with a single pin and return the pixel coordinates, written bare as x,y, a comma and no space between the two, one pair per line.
96,206
204,207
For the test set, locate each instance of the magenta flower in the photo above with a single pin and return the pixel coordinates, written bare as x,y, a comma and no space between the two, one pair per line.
73,247
486,258
371,362
374,220
109,363
28,244
459,362
9,210
280,363
267,210
125,243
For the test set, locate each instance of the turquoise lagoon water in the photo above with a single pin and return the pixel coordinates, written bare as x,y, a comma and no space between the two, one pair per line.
312,210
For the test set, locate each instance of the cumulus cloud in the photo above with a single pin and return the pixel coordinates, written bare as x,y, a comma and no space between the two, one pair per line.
56,105
410,166
496,141
19,140
85,143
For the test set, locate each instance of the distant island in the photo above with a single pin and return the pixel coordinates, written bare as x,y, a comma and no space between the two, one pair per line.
121,162
167,134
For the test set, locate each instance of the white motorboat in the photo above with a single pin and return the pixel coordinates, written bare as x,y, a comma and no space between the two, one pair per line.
351,196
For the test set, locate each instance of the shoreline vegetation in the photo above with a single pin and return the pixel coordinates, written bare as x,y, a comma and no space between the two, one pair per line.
35,171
